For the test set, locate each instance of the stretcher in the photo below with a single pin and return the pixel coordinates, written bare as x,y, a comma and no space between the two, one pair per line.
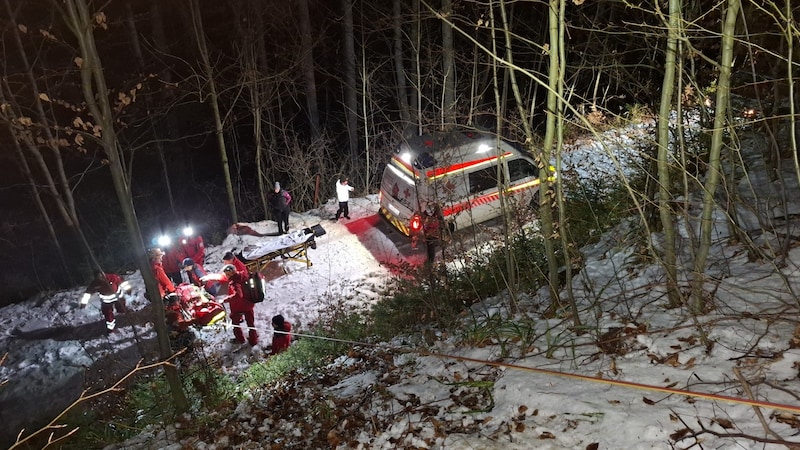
292,246
192,306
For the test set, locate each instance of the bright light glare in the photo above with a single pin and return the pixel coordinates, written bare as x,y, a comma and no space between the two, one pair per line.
188,231
400,174
164,240
483,148
406,157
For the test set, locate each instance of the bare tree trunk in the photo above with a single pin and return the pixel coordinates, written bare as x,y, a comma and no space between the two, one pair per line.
160,42
448,69
262,58
154,128
351,92
63,197
399,69
559,188
545,188
254,59
364,106
95,94
308,68
793,105
200,39
416,38
713,176
510,257
664,182
35,191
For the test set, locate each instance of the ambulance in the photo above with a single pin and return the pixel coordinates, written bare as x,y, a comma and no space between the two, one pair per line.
460,173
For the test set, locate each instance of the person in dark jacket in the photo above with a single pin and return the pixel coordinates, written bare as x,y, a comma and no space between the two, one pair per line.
111,290
279,201
433,229
241,309
195,272
283,337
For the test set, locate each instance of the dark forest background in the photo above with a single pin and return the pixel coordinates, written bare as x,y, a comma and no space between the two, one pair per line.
305,91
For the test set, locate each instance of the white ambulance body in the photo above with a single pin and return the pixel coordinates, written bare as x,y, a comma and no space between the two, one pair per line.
459,172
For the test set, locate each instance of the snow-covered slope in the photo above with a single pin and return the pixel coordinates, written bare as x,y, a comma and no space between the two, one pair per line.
639,375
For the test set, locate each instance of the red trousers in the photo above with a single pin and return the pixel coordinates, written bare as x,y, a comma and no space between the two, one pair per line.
249,317
108,312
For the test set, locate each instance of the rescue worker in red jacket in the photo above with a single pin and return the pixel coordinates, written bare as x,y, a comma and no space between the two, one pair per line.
111,290
192,246
230,258
433,229
171,261
165,285
282,339
241,309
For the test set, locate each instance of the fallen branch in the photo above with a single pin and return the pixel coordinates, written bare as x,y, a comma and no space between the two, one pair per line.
749,392
52,426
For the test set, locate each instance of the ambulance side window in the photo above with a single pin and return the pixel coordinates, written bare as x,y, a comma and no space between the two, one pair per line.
521,168
482,180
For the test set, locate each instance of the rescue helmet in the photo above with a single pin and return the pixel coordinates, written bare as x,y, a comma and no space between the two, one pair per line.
188,262
229,268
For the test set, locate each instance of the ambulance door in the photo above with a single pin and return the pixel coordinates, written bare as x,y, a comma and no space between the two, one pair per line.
523,181
451,193
484,196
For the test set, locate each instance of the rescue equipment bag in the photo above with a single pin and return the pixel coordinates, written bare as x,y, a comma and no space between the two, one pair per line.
254,288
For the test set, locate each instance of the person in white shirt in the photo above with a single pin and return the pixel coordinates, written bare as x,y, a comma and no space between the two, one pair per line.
343,189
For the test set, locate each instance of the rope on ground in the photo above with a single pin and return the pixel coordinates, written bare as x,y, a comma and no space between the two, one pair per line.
555,373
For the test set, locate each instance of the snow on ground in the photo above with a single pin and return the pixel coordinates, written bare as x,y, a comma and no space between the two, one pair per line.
535,385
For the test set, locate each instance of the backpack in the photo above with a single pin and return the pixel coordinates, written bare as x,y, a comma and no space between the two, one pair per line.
254,287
